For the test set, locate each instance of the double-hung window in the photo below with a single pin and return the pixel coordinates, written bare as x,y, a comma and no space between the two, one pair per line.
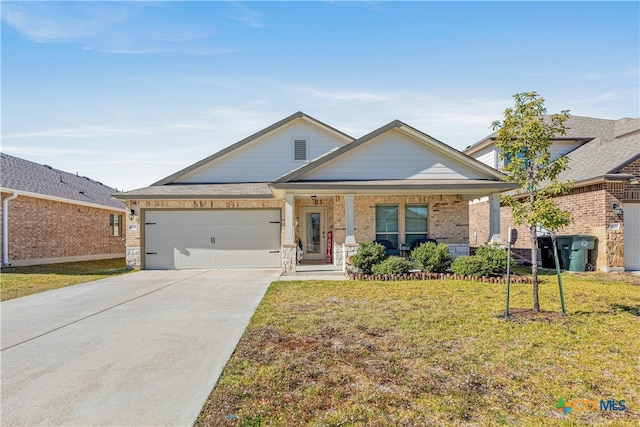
387,223
416,223
114,224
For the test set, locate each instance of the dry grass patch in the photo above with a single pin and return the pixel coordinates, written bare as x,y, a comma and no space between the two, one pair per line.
21,281
431,353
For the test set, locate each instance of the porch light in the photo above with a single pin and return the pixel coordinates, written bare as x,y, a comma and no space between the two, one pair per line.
617,209
132,212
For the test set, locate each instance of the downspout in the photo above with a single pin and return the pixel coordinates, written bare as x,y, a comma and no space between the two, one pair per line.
5,228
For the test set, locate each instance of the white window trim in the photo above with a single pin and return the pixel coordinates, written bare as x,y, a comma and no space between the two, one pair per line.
293,149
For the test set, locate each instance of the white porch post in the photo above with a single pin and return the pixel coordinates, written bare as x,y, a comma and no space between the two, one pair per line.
288,219
351,239
494,218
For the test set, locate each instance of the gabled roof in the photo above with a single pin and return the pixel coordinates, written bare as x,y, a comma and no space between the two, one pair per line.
431,142
605,154
607,145
248,140
35,179
578,128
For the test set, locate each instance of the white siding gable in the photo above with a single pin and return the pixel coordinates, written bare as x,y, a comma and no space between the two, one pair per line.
267,158
393,155
560,148
488,156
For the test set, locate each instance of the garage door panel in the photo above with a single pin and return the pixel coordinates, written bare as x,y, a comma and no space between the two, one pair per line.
212,239
632,236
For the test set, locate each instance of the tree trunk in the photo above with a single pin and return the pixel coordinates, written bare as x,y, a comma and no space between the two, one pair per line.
534,268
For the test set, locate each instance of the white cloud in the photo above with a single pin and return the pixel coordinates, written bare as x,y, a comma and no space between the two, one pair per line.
112,27
63,21
247,16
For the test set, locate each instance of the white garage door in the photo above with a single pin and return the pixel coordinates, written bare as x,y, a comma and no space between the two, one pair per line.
212,239
632,236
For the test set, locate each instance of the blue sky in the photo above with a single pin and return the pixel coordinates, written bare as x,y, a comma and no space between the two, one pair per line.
128,93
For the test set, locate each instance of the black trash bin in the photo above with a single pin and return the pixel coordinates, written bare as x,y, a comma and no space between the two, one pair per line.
546,252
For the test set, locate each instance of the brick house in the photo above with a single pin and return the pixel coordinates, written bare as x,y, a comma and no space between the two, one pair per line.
604,200
302,183
51,216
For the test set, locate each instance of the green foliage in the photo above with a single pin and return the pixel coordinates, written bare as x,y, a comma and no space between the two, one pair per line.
495,257
368,255
524,137
473,265
392,265
432,257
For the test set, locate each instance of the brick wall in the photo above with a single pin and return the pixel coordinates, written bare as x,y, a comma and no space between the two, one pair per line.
448,216
49,230
591,209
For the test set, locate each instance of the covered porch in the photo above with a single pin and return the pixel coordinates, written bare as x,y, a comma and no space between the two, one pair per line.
325,222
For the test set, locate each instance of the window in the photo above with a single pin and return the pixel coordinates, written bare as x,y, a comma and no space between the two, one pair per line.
114,224
387,224
301,149
416,223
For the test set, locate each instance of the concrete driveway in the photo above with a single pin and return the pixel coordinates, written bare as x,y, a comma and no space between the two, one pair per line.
140,349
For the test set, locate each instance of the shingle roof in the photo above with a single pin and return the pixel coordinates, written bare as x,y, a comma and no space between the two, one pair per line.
200,191
606,152
578,127
607,145
23,175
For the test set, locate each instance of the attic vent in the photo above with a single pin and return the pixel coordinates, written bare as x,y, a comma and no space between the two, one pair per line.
300,150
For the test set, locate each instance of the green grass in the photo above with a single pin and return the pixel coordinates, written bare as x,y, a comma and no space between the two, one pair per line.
21,281
432,353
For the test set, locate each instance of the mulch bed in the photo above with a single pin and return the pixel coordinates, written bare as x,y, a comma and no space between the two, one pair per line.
437,276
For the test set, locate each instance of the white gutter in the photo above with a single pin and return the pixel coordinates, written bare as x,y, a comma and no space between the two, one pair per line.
5,227
63,200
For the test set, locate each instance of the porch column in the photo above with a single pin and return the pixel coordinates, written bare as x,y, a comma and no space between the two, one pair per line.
288,219
348,199
494,218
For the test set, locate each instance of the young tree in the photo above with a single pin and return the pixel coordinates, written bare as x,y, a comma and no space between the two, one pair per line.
524,138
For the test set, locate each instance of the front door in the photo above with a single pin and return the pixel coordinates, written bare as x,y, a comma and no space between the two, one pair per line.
313,233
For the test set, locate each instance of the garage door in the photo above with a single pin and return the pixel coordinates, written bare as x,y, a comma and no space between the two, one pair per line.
632,236
212,239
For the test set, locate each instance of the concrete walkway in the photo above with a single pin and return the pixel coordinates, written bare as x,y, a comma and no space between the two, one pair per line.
140,349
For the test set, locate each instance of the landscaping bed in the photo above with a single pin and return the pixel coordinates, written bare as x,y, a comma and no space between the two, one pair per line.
422,275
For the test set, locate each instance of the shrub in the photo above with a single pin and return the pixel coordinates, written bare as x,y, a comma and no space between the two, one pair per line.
392,265
470,265
495,257
368,255
432,257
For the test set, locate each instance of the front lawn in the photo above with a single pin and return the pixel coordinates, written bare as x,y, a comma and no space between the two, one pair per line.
21,281
432,353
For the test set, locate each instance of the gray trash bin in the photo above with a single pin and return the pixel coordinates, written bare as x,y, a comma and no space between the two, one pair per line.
581,244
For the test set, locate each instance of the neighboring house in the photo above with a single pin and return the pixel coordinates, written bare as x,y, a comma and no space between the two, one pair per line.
51,216
302,181
604,200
